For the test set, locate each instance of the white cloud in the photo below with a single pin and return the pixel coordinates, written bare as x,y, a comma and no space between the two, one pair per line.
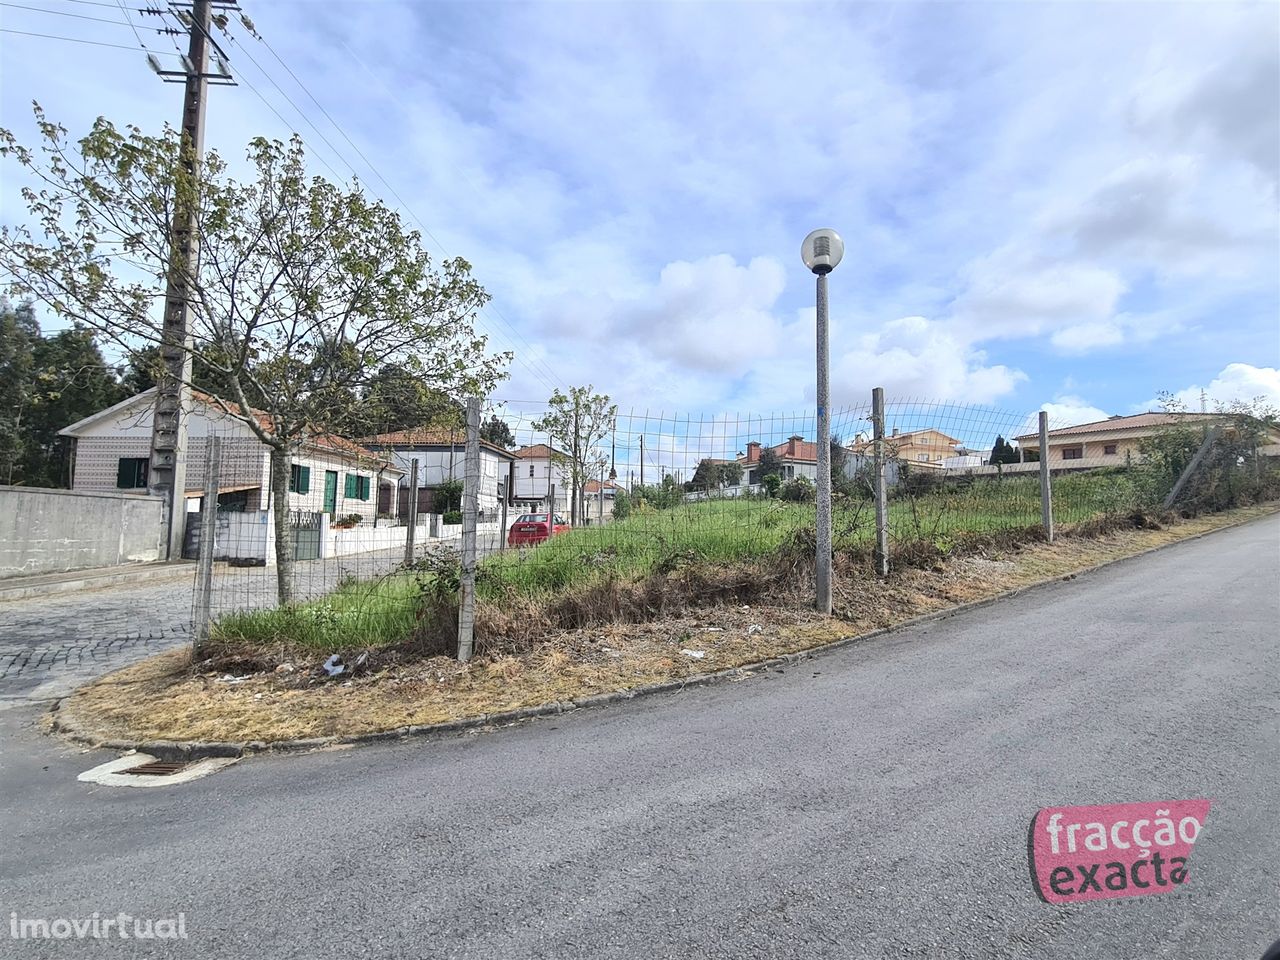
1237,381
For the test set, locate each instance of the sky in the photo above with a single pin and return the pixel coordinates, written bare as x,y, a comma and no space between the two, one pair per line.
1067,206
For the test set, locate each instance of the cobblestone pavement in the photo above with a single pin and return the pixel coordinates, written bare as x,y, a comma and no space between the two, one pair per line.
51,645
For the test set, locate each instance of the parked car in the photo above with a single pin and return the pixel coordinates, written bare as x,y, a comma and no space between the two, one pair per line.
533,528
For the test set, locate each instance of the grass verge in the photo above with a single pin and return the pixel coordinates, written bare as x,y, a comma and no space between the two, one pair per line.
163,699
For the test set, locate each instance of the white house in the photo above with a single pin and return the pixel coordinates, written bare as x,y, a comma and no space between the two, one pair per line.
441,456
540,471
111,451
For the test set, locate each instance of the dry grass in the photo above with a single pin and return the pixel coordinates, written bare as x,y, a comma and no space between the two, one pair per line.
163,698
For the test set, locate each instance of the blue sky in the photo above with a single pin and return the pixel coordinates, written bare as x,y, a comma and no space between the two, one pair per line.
1059,204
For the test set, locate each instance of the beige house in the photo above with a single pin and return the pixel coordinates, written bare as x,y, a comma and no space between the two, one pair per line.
1114,441
929,448
329,474
799,458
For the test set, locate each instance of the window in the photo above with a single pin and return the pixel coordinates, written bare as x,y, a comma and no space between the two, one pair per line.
1109,449
357,487
923,457
531,469
1073,453
299,478
131,474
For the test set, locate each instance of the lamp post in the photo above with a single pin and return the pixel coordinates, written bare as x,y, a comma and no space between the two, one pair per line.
821,252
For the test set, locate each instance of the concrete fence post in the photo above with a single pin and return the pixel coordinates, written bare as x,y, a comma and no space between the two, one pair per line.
201,608
1046,485
881,553
411,501
470,507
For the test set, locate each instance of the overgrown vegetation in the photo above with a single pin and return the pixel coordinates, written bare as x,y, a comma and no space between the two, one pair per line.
665,555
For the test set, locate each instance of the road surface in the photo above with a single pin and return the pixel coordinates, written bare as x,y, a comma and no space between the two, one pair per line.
873,802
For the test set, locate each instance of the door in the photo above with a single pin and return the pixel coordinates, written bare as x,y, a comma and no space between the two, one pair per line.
331,492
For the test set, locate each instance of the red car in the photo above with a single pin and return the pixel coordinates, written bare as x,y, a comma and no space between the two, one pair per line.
533,528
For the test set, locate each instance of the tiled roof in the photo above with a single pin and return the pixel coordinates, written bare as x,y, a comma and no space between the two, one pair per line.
806,451
429,437
593,486
1137,421
537,451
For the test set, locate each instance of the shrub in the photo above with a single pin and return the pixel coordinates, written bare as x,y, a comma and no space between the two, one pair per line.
621,505
771,483
448,496
799,490
452,516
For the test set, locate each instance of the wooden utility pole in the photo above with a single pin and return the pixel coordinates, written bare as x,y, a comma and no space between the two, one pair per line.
167,476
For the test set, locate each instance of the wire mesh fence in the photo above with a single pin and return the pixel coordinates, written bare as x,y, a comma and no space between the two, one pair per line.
579,512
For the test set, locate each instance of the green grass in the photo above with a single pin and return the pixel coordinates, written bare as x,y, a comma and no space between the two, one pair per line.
373,613
717,531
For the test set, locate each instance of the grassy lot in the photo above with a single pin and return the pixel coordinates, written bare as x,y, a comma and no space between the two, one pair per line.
716,532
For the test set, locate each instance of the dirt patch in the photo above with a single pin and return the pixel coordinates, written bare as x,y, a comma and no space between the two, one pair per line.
163,699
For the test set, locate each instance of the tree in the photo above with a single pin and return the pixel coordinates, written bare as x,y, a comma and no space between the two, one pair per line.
770,464
19,334
46,383
712,474
1002,451
299,290
498,432
578,422
396,399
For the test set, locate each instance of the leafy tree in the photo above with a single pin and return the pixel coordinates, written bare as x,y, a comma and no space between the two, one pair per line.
46,383
770,464
397,399
772,482
621,505
19,333
712,474
498,432
1002,451
578,423
299,291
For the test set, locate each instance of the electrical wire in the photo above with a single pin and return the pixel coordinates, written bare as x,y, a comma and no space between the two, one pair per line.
546,371
54,36
61,13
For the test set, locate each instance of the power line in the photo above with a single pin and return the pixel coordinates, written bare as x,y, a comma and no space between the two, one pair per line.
54,36
128,18
61,13
526,362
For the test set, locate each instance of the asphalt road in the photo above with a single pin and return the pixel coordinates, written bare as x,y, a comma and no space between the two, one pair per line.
873,802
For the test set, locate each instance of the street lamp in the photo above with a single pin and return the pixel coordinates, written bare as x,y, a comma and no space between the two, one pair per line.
822,251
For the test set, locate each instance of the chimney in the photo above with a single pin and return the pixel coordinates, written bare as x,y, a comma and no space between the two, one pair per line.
791,444
753,451
895,431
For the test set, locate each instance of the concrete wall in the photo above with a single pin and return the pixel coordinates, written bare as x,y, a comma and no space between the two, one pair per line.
47,531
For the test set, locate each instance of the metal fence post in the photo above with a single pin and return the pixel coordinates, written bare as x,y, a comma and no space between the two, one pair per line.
502,523
1046,486
202,606
470,505
412,504
881,493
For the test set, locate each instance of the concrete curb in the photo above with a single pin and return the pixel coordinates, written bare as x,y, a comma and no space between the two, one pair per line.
67,725
76,581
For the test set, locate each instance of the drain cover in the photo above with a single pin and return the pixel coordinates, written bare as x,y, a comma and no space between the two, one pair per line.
157,768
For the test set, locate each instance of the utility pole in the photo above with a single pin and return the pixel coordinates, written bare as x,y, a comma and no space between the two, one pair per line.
642,459
576,478
167,476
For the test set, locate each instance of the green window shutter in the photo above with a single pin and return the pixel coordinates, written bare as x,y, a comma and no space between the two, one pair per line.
124,474
293,478
349,486
364,488
304,486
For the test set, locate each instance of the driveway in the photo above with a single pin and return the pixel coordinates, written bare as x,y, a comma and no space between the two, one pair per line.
872,802
51,645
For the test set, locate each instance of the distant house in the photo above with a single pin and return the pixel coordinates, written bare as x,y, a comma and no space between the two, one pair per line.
1115,440
540,473
111,451
928,448
441,456
599,498
798,456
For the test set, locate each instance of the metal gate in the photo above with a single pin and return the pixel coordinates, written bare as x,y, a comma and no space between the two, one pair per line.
306,534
